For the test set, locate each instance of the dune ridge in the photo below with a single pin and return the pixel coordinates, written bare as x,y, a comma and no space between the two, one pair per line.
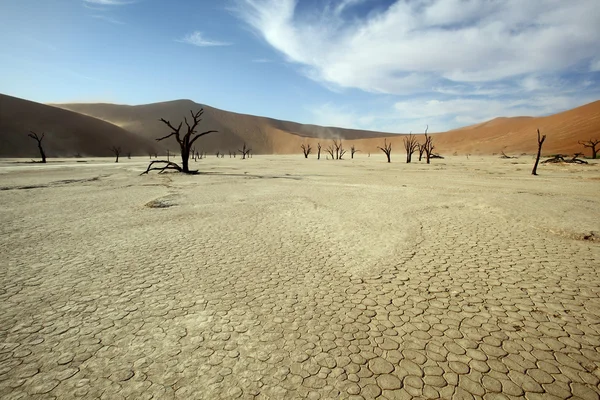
90,129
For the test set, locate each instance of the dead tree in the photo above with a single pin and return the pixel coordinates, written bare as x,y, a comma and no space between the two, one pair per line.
410,145
116,150
421,151
429,147
245,151
38,139
539,152
129,155
306,149
337,146
185,141
318,151
342,151
592,143
387,149
331,150
352,151
560,158
218,153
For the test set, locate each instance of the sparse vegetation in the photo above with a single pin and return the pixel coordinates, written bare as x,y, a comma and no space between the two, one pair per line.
560,158
185,143
410,145
387,149
428,145
39,139
306,149
591,144
116,150
245,151
336,149
541,140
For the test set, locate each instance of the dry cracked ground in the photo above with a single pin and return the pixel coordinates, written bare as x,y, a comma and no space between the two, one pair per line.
280,277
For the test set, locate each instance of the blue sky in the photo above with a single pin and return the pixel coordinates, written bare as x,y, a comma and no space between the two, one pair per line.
392,65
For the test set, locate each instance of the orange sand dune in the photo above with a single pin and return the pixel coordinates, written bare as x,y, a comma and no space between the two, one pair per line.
66,133
90,129
512,135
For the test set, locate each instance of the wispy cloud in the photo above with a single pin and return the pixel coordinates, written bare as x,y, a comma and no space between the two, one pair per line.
413,45
110,2
440,50
197,39
108,19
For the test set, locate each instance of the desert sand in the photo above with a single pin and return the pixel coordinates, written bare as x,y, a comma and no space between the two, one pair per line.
279,277
90,130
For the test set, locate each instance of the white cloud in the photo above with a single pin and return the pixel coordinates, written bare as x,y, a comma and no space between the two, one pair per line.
413,46
196,38
108,19
110,2
414,114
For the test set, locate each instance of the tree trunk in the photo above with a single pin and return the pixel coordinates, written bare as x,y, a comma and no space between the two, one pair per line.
388,157
185,158
539,152
44,154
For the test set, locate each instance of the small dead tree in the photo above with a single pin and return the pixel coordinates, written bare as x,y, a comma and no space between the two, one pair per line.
410,145
331,150
539,152
342,151
129,155
421,151
339,149
387,149
592,143
38,139
306,149
116,150
218,153
245,151
318,151
185,141
353,151
429,147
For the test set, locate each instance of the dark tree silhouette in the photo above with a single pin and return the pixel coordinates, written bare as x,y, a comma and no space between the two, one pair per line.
129,155
185,142
592,143
387,149
410,145
116,150
339,149
421,151
539,152
331,150
245,151
306,149
352,151
38,139
318,151
428,147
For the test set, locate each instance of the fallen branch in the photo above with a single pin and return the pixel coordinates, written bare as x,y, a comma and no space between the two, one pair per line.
168,165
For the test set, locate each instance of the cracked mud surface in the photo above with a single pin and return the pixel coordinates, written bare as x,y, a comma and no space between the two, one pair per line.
355,279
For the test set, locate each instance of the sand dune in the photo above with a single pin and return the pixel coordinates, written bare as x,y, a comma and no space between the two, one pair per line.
265,135
90,129
67,133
